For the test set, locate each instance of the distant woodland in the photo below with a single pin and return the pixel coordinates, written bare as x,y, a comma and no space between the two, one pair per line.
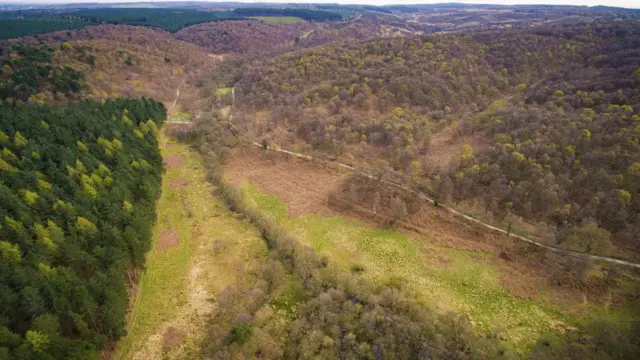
15,28
306,14
166,19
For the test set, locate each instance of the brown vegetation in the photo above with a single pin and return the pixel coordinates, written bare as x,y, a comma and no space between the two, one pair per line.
302,185
173,161
242,36
172,338
168,239
177,183
129,61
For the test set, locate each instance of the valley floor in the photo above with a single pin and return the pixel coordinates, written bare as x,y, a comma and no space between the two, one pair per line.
202,251
200,248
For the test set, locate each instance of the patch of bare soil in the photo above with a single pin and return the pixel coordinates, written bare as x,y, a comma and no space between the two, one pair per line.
173,161
168,239
445,146
304,186
177,183
172,338
219,58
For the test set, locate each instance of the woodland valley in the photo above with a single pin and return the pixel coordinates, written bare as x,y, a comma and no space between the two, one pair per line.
195,180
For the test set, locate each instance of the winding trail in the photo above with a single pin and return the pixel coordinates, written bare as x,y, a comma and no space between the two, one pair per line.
424,197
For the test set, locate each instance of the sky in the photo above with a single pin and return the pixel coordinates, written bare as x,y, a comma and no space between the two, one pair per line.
620,3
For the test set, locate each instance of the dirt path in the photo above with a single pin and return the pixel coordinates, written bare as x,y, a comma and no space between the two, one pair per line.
177,95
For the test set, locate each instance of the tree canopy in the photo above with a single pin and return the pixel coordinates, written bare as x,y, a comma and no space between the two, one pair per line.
78,187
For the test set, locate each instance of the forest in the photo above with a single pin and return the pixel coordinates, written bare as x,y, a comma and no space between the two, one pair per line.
110,213
78,188
27,23
27,74
167,19
306,14
382,99
15,28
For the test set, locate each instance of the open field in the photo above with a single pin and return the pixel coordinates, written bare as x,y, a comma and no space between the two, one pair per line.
278,19
448,265
198,244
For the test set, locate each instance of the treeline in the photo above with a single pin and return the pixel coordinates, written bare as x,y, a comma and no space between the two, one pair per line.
362,8
246,36
19,24
27,74
306,14
78,188
167,19
15,28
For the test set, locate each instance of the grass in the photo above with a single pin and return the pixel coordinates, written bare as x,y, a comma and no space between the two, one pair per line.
179,116
178,283
223,91
278,19
443,278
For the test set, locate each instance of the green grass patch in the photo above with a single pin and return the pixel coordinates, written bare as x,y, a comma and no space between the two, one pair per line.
465,283
278,19
179,116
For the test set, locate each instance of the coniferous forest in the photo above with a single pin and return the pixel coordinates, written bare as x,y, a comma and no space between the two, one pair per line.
78,188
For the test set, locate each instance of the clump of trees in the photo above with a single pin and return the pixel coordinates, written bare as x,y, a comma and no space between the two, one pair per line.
78,187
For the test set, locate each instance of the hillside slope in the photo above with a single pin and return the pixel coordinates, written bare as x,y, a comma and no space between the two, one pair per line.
388,99
243,36
122,60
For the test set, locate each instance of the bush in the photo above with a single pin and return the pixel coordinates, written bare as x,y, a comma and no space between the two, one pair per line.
240,334
357,268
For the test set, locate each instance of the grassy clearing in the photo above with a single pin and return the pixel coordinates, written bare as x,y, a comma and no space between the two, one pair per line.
179,285
447,279
278,19
223,91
